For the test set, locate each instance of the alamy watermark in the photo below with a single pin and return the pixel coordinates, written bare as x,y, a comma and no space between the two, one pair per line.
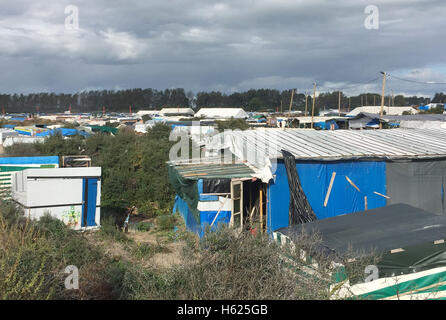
371,22
72,18
72,281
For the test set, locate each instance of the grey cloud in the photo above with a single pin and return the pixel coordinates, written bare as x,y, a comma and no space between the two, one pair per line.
218,45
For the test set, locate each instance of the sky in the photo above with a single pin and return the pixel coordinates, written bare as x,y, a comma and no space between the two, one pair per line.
235,45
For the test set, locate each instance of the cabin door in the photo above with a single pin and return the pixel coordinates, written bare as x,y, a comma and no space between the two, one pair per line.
237,204
90,190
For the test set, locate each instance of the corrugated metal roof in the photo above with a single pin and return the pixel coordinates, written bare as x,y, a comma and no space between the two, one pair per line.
343,144
398,118
214,170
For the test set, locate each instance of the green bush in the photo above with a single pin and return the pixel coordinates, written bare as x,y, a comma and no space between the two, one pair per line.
166,222
110,230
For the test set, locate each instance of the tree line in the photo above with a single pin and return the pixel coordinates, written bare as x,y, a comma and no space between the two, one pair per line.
144,99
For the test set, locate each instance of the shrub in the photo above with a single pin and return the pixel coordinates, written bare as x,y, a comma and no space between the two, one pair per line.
166,222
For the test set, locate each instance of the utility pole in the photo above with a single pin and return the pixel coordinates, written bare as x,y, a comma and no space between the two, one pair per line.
281,107
314,99
374,99
306,103
291,102
339,102
349,103
366,99
382,100
362,105
393,99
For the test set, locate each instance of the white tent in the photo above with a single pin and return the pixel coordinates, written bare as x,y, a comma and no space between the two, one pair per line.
176,111
222,113
377,110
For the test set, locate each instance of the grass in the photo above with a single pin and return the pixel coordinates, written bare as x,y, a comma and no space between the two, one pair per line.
223,265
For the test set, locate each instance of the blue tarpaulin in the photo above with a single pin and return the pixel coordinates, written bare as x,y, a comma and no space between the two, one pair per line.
315,178
66,132
30,160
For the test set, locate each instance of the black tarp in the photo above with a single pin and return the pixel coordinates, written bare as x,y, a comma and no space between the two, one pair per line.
381,230
300,209
216,185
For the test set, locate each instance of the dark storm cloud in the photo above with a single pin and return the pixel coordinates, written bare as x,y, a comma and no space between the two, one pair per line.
220,45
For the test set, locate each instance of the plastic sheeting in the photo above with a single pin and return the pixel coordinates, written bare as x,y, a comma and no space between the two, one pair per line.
199,224
300,209
315,178
419,183
217,185
186,189
381,230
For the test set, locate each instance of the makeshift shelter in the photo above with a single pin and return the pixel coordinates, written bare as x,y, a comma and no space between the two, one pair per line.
211,193
72,195
222,113
11,165
343,171
408,244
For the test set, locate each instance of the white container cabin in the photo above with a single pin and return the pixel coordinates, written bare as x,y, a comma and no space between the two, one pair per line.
72,195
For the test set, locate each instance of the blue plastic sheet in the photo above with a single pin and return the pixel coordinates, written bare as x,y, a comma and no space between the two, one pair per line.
200,191
30,160
315,178
206,217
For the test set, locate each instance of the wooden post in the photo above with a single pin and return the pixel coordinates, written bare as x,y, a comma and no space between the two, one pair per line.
365,203
382,100
306,103
261,208
314,99
291,102
339,102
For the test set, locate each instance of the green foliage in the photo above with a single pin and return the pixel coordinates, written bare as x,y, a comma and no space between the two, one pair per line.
143,226
33,257
232,124
436,110
110,230
166,222
146,117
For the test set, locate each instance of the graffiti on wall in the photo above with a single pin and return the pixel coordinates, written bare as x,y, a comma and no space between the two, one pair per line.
72,217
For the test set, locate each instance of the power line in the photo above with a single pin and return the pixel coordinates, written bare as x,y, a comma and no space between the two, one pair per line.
350,87
415,81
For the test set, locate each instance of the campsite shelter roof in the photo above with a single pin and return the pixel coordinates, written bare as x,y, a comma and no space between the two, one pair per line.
213,170
379,230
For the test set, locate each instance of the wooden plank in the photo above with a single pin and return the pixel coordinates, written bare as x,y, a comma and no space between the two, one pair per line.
222,205
261,209
382,195
351,182
329,188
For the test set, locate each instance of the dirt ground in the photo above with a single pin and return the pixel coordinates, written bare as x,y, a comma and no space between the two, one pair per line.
170,251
